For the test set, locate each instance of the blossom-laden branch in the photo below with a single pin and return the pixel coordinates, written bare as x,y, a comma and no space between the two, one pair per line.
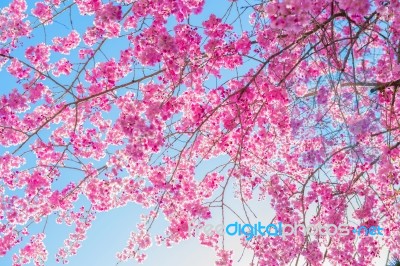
128,107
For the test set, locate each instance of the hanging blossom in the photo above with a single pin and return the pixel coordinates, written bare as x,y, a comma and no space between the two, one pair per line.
293,103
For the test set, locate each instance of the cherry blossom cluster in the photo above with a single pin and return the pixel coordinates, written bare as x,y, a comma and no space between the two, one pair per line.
107,103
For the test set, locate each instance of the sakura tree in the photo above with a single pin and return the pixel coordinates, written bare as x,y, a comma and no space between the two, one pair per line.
105,103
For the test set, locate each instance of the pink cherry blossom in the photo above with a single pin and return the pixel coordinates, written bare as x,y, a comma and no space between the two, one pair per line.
66,44
43,13
197,112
